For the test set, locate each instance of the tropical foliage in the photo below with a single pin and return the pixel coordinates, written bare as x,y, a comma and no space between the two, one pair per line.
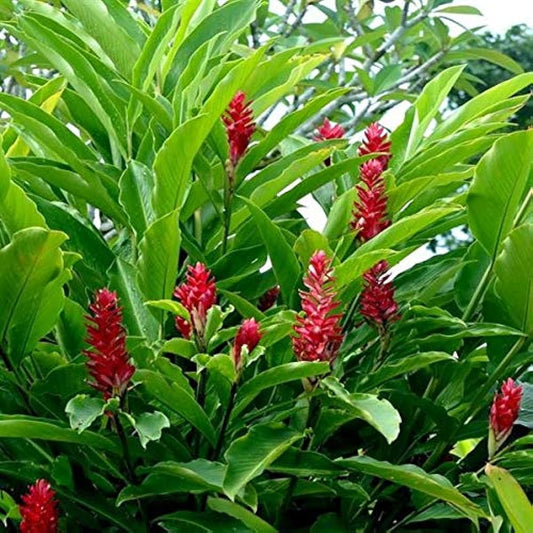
180,350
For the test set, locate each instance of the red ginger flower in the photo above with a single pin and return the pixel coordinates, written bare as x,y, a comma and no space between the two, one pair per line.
370,212
108,362
378,305
248,335
239,126
318,333
329,131
39,509
268,299
198,295
504,410
376,140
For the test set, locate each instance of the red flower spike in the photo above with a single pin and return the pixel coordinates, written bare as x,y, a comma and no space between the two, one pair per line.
504,410
329,131
378,305
248,335
268,299
108,362
39,509
318,333
370,212
239,126
376,140
198,295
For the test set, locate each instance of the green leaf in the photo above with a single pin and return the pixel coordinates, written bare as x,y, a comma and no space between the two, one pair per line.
25,427
284,262
248,456
308,243
202,522
404,366
82,411
136,185
276,376
149,427
380,414
513,499
158,258
178,399
170,305
493,56
514,276
500,183
244,515
415,478
33,275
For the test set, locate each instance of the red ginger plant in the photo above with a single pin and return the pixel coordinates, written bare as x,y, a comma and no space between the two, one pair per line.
328,131
248,335
268,299
377,302
108,363
318,334
375,141
39,509
240,126
197,294
504,412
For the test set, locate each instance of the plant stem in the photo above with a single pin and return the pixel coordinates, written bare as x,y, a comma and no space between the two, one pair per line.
125,450
225,422
476,404
478,293
228,199
312,417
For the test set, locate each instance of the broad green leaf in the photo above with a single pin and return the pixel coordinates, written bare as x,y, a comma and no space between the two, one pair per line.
170,477
306,463
380,414
500,183
513,499
105,26
177,399
202,521
136,185
340,215
514,276
480,104
172,306
31,264
241,513
248,456
404,366
83,410
308,243
284,262
493,56
158,258
149,427
25,427
276,376
415,478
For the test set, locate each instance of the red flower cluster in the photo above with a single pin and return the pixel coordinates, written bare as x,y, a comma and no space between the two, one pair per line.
108,363
198,295
39,509
376,141
370,212
329,131
248,335
239,126
318,333
377,298
268,299
504,410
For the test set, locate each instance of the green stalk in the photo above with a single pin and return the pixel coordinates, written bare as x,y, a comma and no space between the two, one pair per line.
478,293
228,200
225,422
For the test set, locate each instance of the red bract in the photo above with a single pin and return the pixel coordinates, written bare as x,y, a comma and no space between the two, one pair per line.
268,299
239,126
318,333
198,295
39,509
370,212
505,408
108,359
375,141
378,305
329,131
248,335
